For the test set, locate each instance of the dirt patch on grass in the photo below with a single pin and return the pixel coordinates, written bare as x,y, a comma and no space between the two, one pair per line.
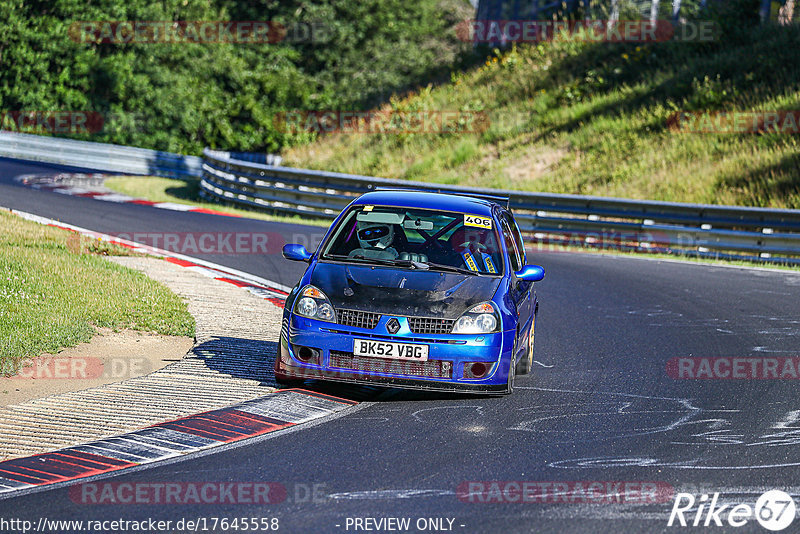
109,357
531,165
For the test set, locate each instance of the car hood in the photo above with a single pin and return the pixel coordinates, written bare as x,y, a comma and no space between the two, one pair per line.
402,291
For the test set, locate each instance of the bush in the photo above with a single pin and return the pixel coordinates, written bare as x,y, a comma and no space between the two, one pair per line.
182,97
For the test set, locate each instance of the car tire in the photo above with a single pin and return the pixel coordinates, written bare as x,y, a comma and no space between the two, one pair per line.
525,364
286,383
511,374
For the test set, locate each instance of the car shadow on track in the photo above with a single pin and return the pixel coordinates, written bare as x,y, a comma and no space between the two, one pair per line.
364,393
253,359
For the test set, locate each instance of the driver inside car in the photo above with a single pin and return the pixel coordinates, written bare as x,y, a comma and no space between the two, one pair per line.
374,241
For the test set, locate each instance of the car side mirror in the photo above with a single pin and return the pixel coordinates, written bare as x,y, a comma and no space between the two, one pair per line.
531,273
295,252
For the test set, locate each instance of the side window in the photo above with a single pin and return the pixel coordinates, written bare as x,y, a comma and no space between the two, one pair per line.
511,245
518,240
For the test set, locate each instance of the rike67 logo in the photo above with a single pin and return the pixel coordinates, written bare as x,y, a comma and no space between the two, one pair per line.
774,510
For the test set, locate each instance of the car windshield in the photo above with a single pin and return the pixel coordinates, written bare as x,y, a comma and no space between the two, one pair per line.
417,238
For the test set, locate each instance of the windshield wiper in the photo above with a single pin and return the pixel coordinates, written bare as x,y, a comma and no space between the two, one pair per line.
453,269
380,261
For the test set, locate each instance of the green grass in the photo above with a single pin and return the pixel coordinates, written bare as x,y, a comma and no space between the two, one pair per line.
591,118
55,289
157,189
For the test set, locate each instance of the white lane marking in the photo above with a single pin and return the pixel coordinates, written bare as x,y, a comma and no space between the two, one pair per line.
264,293
601,462
632,395
205,272
72,190
390,494
416,415
114,197
174,207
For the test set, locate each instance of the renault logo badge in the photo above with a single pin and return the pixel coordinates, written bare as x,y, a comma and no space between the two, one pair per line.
393,326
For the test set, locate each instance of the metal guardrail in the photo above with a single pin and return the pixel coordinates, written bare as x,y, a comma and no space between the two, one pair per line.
98,156
771,235
258,181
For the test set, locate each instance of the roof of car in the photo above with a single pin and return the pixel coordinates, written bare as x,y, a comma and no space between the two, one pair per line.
427,200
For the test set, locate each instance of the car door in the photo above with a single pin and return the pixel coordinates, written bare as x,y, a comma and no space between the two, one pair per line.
519,290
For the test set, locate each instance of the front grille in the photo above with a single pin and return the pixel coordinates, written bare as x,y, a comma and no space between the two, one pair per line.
358,319
428,325
404,339
427,369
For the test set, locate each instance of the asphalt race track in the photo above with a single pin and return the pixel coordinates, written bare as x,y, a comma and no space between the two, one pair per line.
599,406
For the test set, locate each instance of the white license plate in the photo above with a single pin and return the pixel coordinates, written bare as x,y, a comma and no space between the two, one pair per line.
395,351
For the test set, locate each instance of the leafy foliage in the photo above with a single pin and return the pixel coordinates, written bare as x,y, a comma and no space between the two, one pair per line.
183,96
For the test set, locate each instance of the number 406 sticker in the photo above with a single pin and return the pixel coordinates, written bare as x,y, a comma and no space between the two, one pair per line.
478,221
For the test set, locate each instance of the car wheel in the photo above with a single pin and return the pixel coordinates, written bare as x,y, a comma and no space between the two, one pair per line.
525,365
511,374
282,380
531,339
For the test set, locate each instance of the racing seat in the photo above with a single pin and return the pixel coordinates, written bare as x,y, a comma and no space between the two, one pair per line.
465,238
473,243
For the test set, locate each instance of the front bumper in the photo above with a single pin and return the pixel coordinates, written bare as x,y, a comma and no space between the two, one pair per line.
332,345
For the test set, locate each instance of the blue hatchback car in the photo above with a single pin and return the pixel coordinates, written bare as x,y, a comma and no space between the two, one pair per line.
413,289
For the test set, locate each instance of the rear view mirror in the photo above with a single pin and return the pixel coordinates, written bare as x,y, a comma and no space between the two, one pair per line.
296,252
379,217
530,273
418,224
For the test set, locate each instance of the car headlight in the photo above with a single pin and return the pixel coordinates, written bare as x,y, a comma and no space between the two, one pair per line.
480,319
315,305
